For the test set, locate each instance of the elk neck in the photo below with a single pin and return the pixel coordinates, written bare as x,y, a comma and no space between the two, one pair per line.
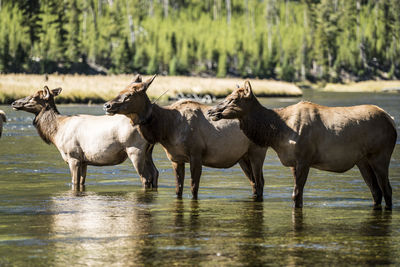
261,125
46,123
157,124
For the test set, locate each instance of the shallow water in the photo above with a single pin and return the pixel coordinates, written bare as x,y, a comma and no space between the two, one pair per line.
114,222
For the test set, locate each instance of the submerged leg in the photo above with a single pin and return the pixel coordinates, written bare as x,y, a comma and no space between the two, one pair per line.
152,169
75,169
179,171
370,179
83,174
246,167
300,173
195,171
380,166
257,162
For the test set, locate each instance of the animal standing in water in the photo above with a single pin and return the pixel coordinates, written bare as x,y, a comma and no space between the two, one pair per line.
3,119
89,140
188,136
308,135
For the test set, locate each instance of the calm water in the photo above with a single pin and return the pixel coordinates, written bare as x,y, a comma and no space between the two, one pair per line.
113,222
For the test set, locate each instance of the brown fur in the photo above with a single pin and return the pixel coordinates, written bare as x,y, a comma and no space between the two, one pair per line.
3,116
188,136
263,134
46,123
308,135
2,119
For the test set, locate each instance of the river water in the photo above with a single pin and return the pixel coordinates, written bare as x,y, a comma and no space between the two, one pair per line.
113,222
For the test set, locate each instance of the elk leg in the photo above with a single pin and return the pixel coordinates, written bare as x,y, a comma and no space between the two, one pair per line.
179,171
138,159
83,173
151,167
246,167
370,179
195,171
300,173
380,166
75,169
153,173
256,166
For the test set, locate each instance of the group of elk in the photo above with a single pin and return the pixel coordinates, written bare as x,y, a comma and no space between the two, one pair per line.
238,130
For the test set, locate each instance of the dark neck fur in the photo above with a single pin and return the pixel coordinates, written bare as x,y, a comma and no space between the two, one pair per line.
155,126
46,123
261,125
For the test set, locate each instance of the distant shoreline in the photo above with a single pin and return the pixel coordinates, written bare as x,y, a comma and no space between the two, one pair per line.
365,86
83,89
100,88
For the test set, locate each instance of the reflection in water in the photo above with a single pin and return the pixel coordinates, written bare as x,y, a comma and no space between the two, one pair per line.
186,231
377,232
294,256
92,226
323,240
297,220
251,253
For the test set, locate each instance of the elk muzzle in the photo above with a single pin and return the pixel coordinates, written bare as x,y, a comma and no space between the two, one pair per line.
215,113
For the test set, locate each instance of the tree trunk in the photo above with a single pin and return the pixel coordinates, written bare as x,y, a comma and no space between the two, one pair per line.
228,11
165,7
130,24
151,8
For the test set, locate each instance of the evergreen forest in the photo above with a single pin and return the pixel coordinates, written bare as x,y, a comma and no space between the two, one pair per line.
291,40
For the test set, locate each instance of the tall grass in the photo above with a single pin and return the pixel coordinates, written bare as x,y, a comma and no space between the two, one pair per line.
367,86
83,89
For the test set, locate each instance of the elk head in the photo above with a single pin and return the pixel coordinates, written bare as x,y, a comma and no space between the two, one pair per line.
36,102
235,105
132,100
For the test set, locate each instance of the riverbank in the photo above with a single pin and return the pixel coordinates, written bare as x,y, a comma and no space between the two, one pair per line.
367,86
97,89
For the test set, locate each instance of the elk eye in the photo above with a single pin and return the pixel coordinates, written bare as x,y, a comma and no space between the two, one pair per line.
126,98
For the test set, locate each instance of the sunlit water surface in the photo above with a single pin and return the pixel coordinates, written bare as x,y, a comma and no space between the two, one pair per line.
113,222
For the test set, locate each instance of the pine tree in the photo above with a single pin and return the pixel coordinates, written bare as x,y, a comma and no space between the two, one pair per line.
5,57
73,32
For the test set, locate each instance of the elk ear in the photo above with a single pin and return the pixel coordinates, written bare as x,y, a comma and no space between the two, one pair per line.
149,81
247,88
46,92
137,79
56,91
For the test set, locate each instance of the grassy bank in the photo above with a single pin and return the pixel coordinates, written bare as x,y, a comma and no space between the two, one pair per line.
83,89
367,86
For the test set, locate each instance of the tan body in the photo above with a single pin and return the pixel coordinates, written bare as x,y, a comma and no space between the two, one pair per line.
91,140
3,119
332,138
308,135
188,136
103,141
222,144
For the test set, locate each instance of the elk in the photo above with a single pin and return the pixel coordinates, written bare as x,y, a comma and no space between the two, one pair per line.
3,119
86,140
188,136
308,135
